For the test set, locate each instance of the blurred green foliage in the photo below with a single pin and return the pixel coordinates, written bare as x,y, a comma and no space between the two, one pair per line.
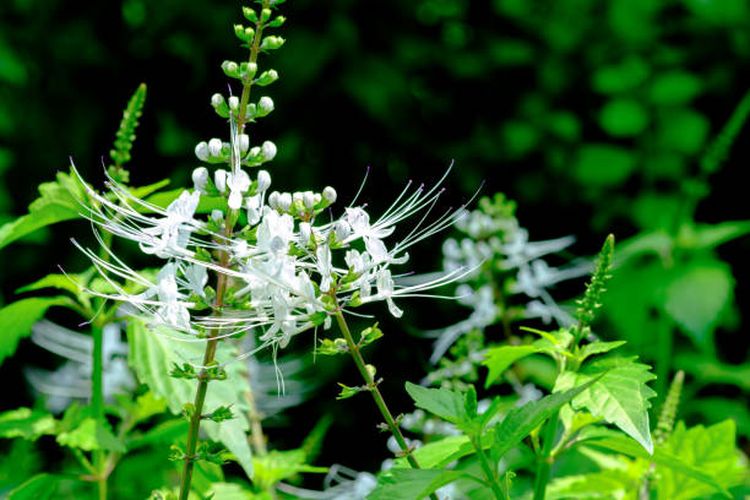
594,115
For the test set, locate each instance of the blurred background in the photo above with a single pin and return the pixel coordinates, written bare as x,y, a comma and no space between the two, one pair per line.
594,116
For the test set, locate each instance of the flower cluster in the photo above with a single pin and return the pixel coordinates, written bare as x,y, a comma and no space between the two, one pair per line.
286,271
505,265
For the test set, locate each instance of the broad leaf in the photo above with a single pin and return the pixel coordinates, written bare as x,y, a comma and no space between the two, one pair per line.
446,404
16,320
696,298
618,394
599,348
59,201
412,484
436,454
712,235
710,450
605,485
26,423
39,487
519,422
69,283
499,359
152,355
80,430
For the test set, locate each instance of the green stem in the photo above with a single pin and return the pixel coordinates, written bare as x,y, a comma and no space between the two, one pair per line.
545,460
97,404
488,469
372,388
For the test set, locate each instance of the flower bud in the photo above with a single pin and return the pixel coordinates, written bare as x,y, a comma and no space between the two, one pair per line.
220,179
305,232
264,180
265,106
285,201
280,20
217,100
231,69
214,147
250,14
308,199
244,143
201,151
239,32
342,230
265,15
297,197
217,216
329,194
234,103
273,200
268,150
249,34
200,178
272,42
267,78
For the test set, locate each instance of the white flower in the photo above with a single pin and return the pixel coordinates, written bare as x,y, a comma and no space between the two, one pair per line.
170,235
264,180
275,232
265,105
200,178
238,183
220,180
268,151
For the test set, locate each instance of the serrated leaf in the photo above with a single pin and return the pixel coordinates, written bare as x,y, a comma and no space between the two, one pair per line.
16,320
39,487
696,298
446,404
153,353
708,449
499,359
436,454
599,348
347,392
26,423
412,484
618,394
519,422
78,429
58,202
605,485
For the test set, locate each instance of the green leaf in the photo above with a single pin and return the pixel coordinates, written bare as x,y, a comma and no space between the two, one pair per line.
674,87
59,201
709,370
230,491
710,450
708,236
684,131
620,78
623,118
153,353
16,320
607,484
412,484
280,465
697,297
598,347
80,430
205,205
39,487
519,422
26,423
603,165
446,404
499,359
347,392
437,454
618,394
69,283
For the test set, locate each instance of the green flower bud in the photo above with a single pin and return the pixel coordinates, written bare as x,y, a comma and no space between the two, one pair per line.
231,69
267,78
239,32
265,15
250,14
272,43
277,22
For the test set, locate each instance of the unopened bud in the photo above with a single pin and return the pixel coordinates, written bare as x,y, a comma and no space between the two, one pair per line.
285,201
304,233
234,103
272,43
273,200
268,149
342,230
277,22
250,14
267,78
244,143
220,179
200,178
308,199
265,15
217,100
214,147
239,32
265,105
230,68
217,216
329,194
264,180
201,151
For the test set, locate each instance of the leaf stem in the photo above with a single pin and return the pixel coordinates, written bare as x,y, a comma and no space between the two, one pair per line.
97,404
487,469
545,460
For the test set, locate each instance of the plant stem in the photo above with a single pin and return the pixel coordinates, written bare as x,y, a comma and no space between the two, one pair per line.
487,468
545,460
372,388
257,436
97,403
254,51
